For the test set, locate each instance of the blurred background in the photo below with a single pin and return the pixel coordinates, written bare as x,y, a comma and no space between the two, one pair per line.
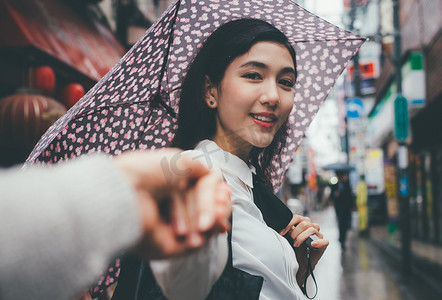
381,125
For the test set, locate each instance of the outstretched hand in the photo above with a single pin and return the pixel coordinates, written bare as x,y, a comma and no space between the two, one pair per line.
300,228
182,203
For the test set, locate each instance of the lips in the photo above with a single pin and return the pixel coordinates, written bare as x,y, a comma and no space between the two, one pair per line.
266,120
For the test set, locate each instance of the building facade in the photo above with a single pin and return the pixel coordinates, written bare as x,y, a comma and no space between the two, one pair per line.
421,61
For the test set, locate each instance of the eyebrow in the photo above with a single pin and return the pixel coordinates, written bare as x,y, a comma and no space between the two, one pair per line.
264,66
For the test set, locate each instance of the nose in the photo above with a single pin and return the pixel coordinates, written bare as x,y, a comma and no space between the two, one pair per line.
270,94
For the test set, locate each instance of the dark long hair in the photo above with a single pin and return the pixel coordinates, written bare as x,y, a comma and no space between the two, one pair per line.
196,120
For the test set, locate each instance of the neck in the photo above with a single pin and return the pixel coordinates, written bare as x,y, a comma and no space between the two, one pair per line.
239,148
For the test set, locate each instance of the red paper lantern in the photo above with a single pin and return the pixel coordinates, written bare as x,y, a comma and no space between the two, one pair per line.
44,79
72,93
24,118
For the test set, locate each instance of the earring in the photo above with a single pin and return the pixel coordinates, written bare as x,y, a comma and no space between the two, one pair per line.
211,103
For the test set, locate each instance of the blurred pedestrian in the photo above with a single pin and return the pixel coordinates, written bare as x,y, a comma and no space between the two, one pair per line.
61,225
342,198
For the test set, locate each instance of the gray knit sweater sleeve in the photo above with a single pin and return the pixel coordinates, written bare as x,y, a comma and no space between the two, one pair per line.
61,226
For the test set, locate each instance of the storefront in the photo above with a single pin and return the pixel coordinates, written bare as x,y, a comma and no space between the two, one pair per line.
73,42
427,145
427,163
423,89
56,49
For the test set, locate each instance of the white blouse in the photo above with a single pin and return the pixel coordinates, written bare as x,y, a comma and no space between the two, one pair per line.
257,249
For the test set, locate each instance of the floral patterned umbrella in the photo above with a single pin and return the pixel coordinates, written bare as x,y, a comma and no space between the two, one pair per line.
135,104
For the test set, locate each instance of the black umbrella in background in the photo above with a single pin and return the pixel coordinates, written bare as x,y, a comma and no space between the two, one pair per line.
135,104
338,167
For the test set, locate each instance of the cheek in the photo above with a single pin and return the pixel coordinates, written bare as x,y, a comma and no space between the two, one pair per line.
228,114
236,96
235,101
287,106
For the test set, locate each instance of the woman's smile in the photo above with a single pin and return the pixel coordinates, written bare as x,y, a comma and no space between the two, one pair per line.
266,120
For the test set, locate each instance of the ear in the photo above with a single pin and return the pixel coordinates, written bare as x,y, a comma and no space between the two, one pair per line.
210,93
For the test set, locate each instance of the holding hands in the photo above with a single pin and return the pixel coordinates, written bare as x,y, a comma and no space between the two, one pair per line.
182,203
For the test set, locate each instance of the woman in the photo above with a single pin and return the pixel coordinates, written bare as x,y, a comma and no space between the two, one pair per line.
234,105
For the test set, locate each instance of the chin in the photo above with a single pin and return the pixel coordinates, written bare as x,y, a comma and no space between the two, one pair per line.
262,143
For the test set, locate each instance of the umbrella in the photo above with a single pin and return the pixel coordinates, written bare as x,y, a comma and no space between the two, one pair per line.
135,104
343,167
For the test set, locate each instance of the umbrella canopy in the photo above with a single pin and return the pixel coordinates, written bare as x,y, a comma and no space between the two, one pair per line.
343,167
135,104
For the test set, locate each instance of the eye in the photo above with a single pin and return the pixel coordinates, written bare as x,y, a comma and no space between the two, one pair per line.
253,76
287,83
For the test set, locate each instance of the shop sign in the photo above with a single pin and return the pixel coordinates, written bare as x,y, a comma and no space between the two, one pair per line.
390,191
400,118
403,186
374,171
413,81
355,108
381,121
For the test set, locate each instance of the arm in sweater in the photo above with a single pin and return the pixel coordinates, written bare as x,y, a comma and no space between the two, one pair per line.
61,226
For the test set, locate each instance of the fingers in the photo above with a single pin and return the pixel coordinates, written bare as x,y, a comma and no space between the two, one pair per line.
300,228
202,208
301,237
295,220
322,243
162,243
214,207
184,217
223,207
179,215
205,198
194,237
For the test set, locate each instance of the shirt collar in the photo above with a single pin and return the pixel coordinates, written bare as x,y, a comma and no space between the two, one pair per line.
226,161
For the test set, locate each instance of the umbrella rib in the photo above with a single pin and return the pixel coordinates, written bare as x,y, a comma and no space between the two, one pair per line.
163,68
158,101
84,114
317,17
332,40
170,42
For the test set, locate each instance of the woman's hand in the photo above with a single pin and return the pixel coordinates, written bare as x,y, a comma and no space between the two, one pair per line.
181,202
299,229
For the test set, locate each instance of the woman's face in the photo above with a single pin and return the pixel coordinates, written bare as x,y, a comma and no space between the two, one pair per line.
253,99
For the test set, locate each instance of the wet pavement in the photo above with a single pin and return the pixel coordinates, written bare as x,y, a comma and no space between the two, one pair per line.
363,272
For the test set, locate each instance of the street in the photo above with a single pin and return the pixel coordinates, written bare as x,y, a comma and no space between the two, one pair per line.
329,102
363,272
